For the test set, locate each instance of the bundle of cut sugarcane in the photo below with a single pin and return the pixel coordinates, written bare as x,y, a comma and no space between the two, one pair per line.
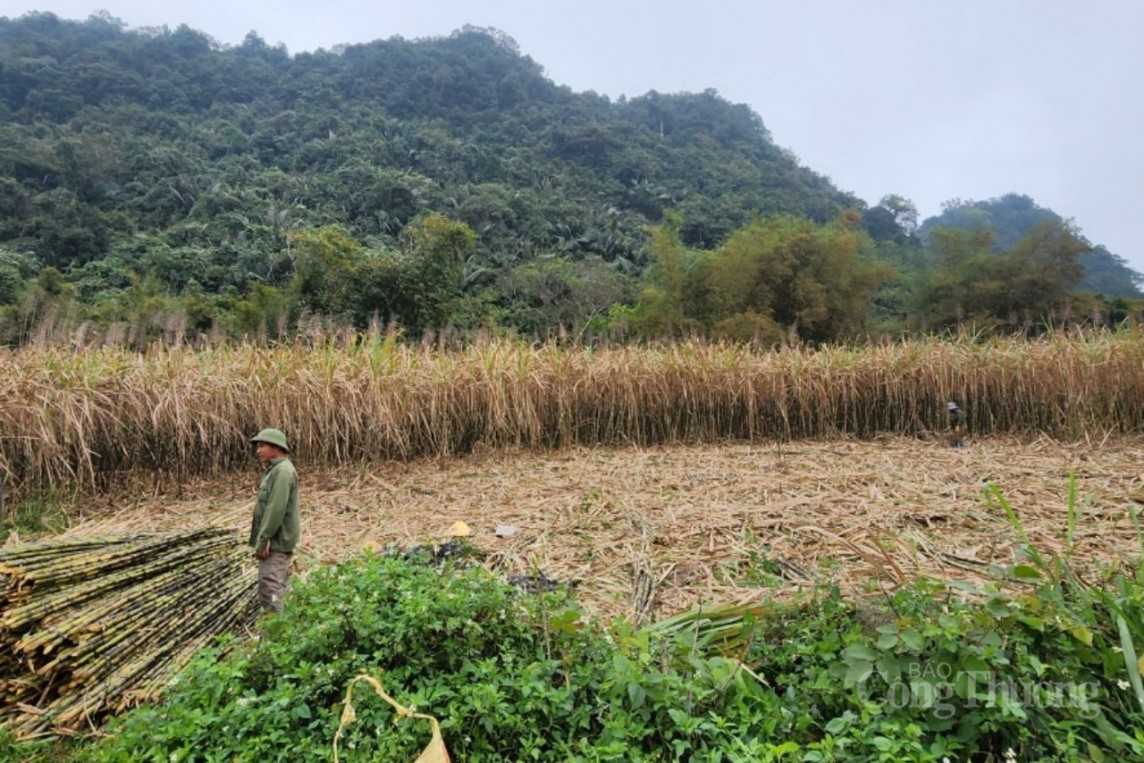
94,625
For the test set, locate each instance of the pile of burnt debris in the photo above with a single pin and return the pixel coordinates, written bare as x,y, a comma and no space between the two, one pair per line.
459,554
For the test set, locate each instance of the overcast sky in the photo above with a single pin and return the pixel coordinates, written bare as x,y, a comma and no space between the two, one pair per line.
929,99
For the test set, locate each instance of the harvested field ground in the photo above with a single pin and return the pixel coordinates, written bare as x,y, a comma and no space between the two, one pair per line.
703,523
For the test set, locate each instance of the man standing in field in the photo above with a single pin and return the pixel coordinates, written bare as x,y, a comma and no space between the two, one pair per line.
275,527
957,427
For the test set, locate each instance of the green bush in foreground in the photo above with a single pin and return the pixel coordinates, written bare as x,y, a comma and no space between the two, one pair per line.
510,676
923,675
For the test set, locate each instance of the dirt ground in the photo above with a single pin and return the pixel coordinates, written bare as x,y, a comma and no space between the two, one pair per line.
701,524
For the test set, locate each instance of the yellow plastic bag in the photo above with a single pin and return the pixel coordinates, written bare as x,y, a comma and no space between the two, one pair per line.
434,753
459,530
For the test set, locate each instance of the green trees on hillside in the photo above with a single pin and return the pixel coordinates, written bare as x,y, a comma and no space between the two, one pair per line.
155,176
777,276
1012,216
421,286
16,270
1032,282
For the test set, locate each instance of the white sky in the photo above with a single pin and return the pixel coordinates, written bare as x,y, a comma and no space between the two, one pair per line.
929,99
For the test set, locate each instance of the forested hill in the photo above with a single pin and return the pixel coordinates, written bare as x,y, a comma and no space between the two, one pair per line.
138,131
440,181
1011,216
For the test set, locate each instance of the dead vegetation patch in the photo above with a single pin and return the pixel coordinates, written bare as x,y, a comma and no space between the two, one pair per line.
646,532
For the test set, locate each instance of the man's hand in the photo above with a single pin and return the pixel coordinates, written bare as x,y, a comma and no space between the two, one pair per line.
262,553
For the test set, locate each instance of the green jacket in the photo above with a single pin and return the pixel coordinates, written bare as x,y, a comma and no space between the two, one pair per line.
276,515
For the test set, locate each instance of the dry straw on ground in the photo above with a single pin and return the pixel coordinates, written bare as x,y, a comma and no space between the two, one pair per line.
733,522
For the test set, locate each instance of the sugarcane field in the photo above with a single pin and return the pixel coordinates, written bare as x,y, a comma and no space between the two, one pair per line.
923,550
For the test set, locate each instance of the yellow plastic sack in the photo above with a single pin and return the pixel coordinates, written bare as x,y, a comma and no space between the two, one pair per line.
459,530
434,753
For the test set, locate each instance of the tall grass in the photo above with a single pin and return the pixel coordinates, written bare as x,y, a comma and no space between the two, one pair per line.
74,418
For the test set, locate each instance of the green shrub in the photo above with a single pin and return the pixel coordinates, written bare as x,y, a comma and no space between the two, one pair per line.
510,676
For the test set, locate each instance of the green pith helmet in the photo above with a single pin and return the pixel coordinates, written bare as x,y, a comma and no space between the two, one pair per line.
273,437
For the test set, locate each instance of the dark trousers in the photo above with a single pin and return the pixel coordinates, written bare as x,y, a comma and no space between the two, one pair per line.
273,572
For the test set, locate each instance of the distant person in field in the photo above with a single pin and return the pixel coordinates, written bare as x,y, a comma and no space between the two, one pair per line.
276,524
957,426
